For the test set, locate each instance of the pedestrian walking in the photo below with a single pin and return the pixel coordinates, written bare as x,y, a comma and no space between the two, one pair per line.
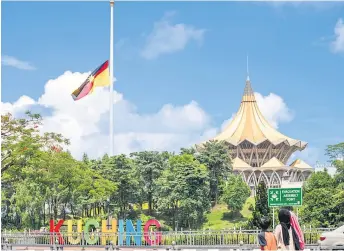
294,221
286,236
267,240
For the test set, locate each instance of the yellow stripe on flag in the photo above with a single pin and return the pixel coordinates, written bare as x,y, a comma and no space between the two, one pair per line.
103,79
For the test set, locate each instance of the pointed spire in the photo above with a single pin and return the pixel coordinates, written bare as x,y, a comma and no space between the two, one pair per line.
248,91
248,75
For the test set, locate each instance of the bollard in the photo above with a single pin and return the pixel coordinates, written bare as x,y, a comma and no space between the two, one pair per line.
112,246
173,245
55,245
6,244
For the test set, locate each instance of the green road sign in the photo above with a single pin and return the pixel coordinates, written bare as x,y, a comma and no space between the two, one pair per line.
284,197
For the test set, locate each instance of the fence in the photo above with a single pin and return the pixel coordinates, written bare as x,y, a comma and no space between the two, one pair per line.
221,238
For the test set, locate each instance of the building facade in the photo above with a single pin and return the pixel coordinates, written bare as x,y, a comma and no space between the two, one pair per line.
258,151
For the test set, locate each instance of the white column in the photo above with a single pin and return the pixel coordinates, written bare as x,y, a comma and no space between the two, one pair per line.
111,147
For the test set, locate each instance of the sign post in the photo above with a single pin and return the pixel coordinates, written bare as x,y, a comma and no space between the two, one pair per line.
273,218
279,197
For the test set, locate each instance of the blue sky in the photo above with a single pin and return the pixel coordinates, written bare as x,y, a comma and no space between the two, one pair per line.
289,47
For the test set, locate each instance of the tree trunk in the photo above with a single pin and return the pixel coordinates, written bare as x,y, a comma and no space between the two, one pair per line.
44,214
175,215
64,211
150,203
55,209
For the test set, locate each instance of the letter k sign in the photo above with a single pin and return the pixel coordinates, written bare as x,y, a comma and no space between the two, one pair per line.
56,229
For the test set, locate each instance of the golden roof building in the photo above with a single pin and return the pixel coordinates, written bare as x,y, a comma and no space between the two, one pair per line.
259,152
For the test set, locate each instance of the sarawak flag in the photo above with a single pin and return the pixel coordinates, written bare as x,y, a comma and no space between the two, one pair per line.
99,77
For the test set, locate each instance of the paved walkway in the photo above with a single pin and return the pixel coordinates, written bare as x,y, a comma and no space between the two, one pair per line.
137,249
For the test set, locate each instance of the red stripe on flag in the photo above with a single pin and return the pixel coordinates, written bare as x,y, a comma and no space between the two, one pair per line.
85,90
102,68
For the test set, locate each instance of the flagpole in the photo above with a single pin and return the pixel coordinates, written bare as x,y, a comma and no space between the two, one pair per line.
111,150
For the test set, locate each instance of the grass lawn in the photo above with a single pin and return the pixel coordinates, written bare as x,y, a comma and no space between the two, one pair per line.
221,218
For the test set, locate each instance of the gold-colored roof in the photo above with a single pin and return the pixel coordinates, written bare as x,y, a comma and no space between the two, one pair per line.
298,163
273,162
250,124
237,162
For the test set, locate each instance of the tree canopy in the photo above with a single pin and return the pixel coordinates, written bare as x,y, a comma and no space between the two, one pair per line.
214,154
236,192
324,194
261,205
41,181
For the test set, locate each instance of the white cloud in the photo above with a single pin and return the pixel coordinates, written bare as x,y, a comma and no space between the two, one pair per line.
310,155
85,122
338,44
167,38
331,170
273,107
16,63
20,105
309,4
226,122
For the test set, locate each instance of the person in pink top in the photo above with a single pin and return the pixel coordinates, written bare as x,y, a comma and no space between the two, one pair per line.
295,223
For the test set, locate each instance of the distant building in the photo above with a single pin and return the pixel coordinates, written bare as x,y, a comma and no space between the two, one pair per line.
258,151
331,169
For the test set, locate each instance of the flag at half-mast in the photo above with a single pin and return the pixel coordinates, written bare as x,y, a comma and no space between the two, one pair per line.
99,77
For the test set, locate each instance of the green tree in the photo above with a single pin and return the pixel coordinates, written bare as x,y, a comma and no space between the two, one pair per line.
92,194
43,181
85,159
338,205
214,154
235,193
22,147
21,140
324,194
336,154
261,205
122,171
150,165
318,200
190,150
320,180
182,192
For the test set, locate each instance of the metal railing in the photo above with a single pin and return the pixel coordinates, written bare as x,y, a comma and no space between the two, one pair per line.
234,237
